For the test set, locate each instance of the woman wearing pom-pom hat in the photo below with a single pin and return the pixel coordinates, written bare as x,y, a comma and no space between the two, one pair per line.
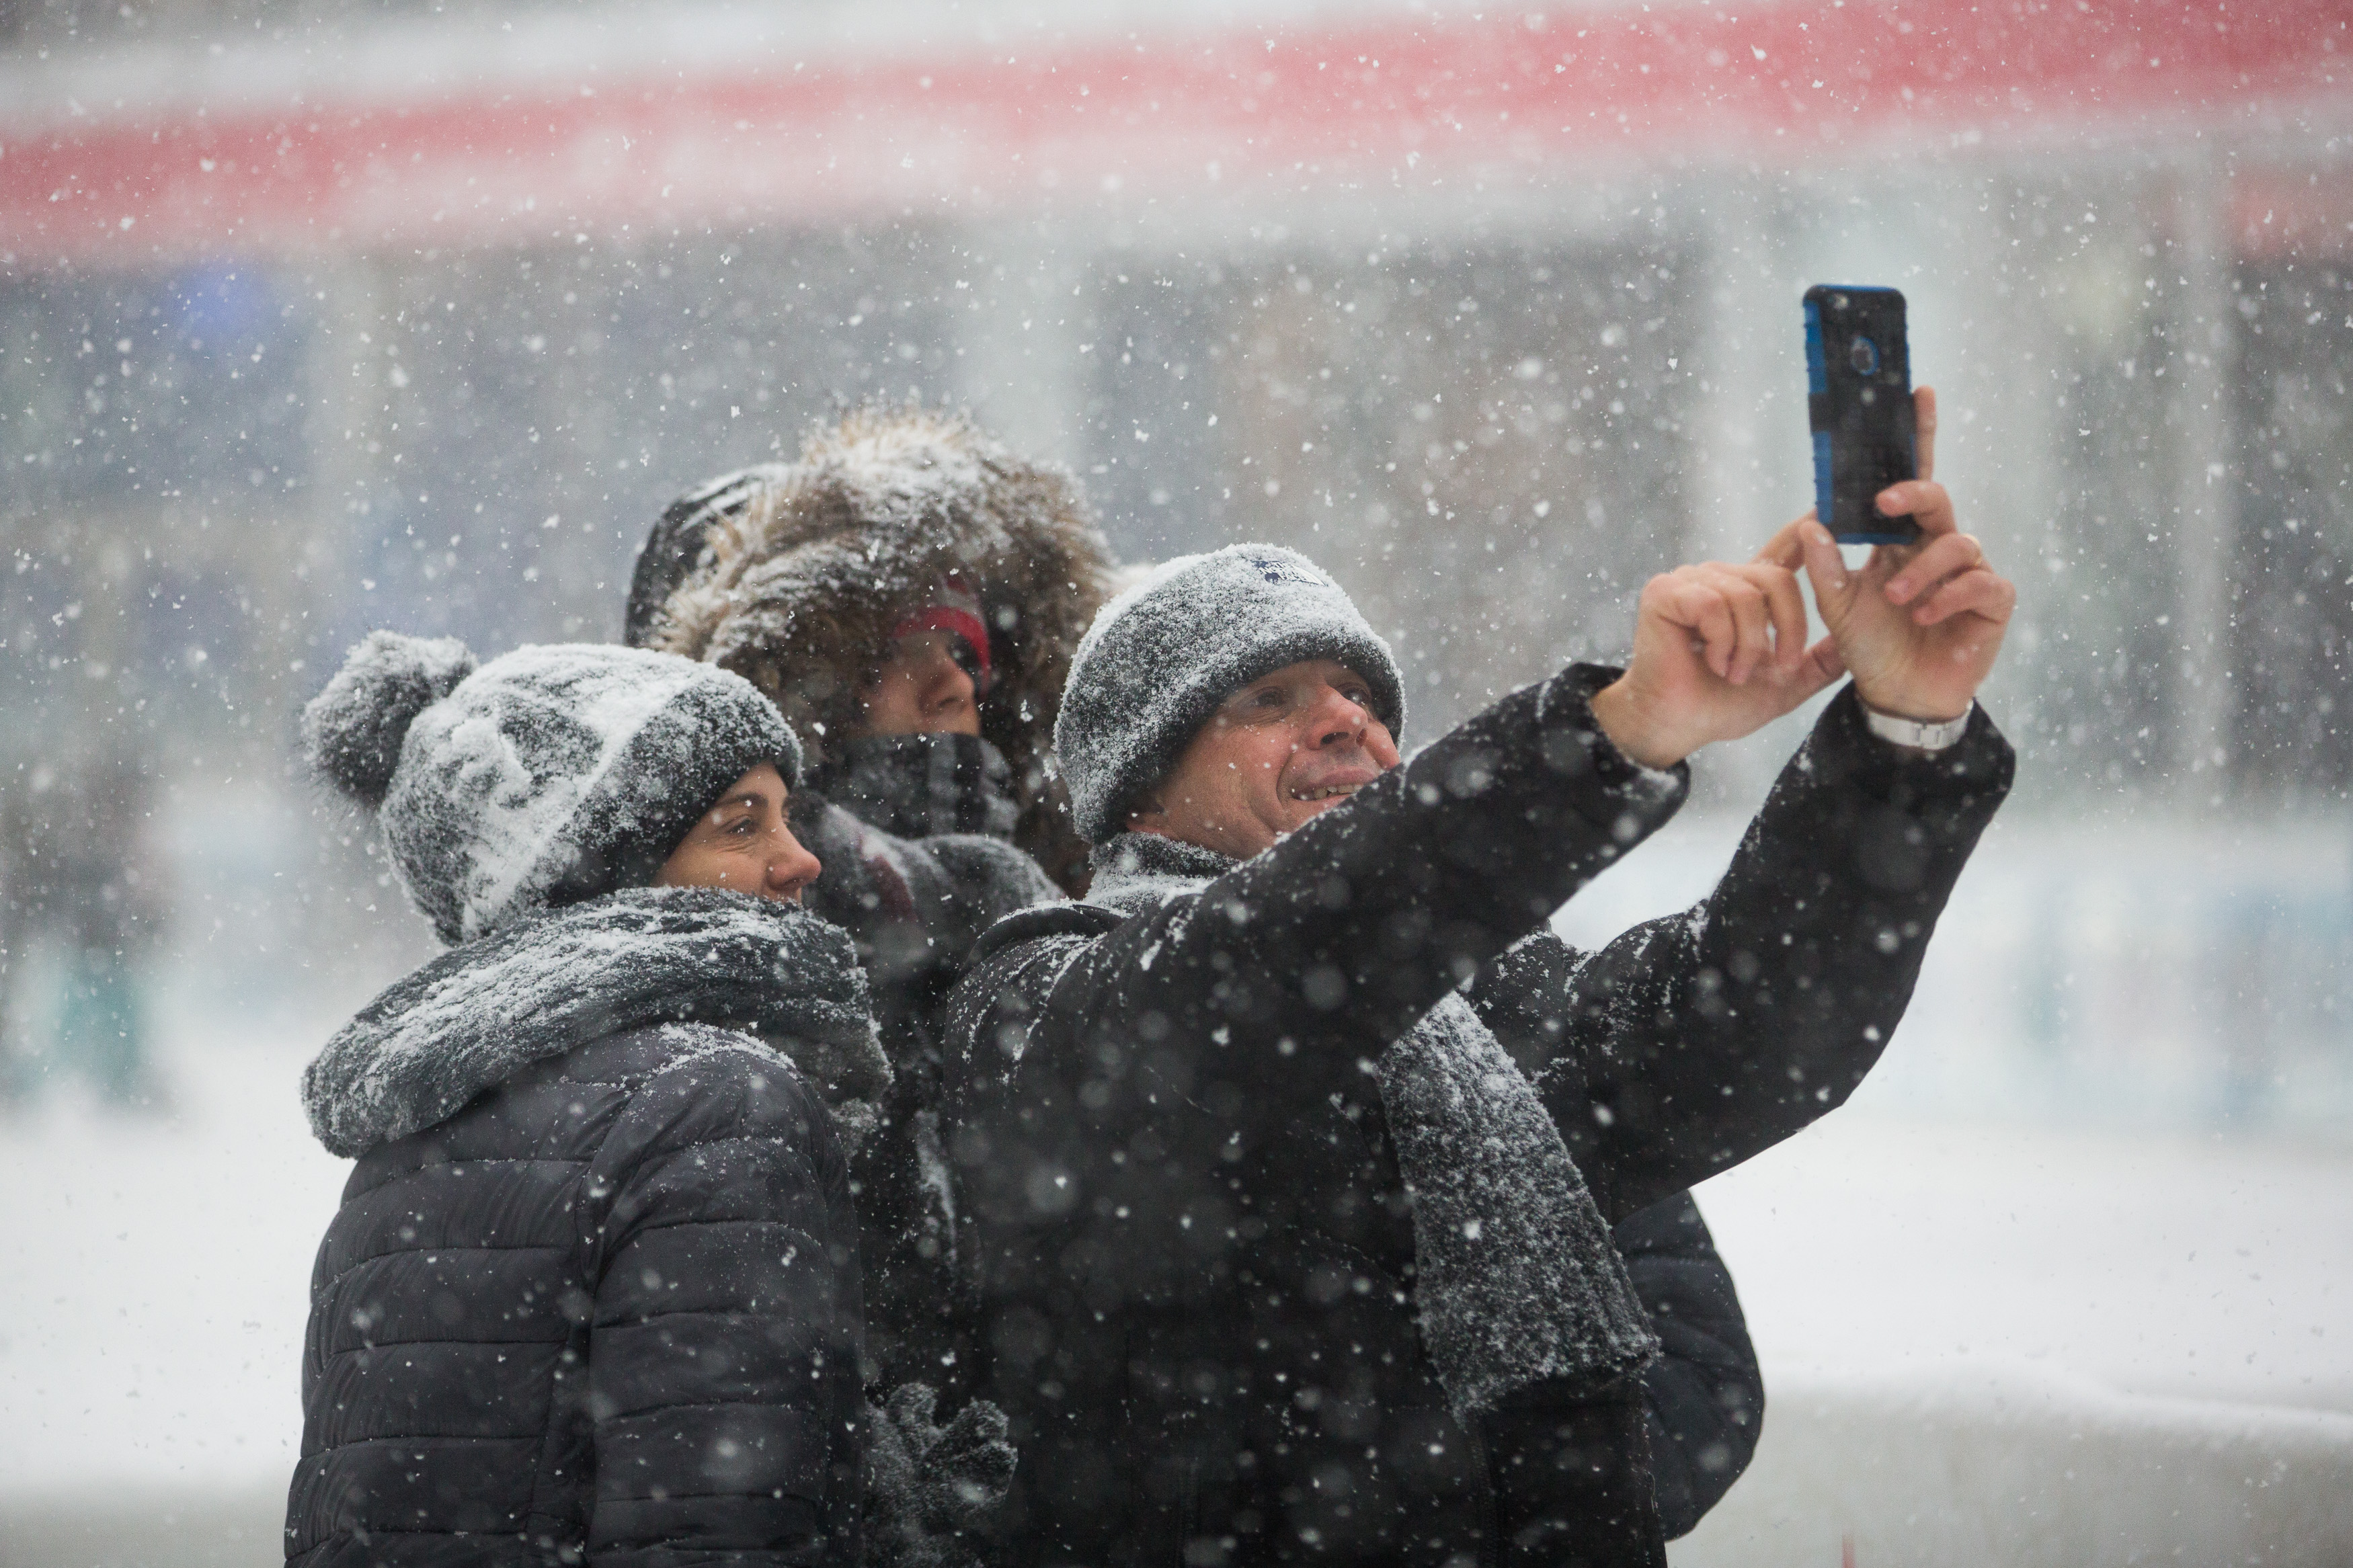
593,1292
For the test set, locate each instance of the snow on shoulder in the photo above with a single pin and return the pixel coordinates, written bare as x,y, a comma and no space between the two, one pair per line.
481,1012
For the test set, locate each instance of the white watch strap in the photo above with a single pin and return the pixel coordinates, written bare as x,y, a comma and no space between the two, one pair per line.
1911,733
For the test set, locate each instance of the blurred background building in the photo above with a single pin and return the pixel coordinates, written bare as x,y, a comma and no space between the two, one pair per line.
320,315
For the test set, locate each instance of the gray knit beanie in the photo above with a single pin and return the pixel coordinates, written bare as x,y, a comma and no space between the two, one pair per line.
1161,657
549,775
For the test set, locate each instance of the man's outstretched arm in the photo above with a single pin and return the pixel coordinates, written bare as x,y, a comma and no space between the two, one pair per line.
1299,965
1695,1041
1137,1075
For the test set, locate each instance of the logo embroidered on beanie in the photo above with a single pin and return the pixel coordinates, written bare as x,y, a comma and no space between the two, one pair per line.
1275,569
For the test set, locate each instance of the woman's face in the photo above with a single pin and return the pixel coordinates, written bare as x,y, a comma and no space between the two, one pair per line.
744,844
924,690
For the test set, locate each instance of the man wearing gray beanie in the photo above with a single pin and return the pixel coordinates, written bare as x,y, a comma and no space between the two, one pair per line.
1291,1155
1703,1397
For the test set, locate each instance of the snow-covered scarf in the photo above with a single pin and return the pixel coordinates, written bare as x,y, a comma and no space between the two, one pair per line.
543,986
1516,1276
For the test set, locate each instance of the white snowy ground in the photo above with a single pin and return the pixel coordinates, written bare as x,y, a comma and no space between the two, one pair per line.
1990,1339
1985,1345
152,1314
1950,1315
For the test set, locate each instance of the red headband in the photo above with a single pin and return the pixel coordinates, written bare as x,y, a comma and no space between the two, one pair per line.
959,616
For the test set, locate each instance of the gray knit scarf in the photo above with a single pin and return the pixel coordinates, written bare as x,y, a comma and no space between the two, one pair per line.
1516,1279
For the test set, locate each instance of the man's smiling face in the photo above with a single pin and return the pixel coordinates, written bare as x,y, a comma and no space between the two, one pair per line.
1276,753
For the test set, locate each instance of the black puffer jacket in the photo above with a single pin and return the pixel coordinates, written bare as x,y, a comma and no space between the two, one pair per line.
1193,1252
592,1293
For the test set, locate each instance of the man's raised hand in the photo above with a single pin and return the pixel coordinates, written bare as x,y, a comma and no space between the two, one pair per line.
1920,623
1719,650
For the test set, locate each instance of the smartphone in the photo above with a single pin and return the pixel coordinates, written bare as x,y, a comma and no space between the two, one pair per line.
1859,406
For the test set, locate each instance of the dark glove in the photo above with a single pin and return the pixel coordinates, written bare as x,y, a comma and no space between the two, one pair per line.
929,1485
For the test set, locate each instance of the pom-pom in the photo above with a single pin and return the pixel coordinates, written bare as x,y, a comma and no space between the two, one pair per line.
351,731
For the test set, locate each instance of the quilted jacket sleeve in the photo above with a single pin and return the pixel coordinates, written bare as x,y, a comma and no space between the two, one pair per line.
724,1343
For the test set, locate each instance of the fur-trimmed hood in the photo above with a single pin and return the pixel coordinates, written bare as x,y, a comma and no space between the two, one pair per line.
481,1012
794,575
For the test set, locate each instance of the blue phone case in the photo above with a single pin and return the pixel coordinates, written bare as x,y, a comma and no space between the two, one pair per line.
1878,443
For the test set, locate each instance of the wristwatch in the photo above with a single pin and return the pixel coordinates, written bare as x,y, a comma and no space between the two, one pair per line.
1913,734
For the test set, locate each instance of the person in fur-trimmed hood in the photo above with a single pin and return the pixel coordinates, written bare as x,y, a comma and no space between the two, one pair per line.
908,592
593,1292
806,578
1285,1254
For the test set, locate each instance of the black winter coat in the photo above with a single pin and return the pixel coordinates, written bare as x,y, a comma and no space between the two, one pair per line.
1190,1236
913,834
1704,1398
592,1293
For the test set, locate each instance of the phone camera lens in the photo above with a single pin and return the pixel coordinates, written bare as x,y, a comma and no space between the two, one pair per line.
1863,355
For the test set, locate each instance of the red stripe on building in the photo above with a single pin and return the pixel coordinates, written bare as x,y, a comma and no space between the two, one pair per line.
1390,101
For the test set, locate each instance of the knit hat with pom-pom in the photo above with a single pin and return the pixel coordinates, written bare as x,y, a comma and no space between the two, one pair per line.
548,775
1162,655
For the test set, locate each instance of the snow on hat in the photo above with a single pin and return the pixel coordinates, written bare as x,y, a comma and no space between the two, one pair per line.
551,775
1162,656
